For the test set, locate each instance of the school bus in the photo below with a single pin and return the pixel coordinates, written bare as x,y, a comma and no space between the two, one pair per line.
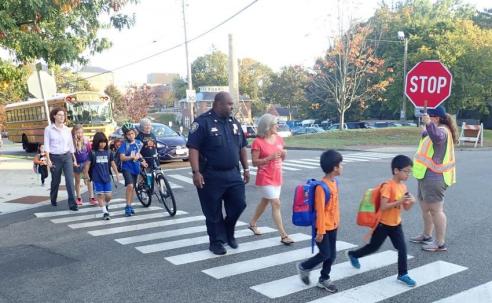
26,120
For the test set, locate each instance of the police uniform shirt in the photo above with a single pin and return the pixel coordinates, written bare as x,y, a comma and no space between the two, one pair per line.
219,140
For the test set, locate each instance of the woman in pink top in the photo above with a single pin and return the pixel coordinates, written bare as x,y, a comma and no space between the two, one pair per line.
267,154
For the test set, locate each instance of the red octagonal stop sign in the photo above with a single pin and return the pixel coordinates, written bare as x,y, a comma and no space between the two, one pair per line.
428,80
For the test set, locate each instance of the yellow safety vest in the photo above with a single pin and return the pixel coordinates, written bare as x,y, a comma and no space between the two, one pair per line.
423,160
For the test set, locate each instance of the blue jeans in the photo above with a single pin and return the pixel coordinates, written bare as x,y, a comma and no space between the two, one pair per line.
326,255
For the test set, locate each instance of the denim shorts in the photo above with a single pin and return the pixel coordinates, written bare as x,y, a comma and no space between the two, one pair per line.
102,188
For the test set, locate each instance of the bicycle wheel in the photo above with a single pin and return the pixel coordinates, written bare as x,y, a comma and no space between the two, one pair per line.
144,192
166,194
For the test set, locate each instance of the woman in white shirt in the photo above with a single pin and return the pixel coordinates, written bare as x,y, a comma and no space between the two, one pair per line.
59,148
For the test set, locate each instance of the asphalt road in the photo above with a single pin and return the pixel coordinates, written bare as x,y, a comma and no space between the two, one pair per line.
43,261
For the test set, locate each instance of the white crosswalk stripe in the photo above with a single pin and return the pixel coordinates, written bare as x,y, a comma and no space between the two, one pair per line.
265,262
479,294
98,215
292,284
182,178
160,214
84,209
243,247
122,229
152,248
173,185
288,164
166,234
389,287
304,163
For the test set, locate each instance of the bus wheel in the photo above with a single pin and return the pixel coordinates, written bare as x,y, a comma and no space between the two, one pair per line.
28,147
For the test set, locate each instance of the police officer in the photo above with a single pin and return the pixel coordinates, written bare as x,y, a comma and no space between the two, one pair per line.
217,144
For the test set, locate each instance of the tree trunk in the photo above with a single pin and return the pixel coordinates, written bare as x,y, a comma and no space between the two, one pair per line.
342,118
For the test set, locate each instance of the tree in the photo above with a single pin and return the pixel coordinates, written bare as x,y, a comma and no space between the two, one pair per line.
68,81
137,101
58,31
347,73
118,103
210,69
288,87
13,82
254,79
179,88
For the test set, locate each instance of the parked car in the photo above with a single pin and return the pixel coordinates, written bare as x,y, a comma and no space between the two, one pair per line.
336,126
249,130
383,124
170,144
284,131
308,130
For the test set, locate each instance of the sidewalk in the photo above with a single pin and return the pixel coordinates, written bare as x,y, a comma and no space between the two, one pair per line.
20,187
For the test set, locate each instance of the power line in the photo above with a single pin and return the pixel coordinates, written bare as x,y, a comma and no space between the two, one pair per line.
170,48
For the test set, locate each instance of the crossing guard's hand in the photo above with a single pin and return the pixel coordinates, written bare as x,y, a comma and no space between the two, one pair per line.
198,180
246,176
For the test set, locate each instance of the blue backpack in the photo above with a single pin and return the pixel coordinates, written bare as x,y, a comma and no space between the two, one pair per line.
303,212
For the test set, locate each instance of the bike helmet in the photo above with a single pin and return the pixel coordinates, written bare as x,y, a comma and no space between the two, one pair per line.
127,126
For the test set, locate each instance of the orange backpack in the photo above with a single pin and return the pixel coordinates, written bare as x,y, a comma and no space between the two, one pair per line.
369,213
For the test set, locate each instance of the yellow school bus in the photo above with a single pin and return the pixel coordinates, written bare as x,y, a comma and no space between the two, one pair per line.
26,120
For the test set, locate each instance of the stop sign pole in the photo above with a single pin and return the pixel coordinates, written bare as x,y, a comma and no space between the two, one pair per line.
428,84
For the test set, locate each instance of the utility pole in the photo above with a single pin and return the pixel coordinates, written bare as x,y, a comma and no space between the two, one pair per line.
46,109
233,76
189,104
403,113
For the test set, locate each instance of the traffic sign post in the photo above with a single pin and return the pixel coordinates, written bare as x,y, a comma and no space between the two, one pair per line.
428,84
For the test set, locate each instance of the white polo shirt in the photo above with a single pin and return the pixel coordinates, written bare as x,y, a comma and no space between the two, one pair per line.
58,141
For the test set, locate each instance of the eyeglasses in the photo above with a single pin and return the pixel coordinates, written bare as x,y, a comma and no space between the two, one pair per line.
406,171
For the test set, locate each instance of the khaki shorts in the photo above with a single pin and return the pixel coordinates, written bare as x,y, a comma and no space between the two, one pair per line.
431,191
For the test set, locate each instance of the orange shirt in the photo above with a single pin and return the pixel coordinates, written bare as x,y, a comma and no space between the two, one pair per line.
327,214
392,191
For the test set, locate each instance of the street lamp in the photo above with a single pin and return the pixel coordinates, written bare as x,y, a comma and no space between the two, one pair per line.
401,37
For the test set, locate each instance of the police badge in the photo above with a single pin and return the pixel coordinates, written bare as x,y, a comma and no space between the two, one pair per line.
194,127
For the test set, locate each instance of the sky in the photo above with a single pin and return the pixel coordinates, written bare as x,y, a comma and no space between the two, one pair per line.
274,32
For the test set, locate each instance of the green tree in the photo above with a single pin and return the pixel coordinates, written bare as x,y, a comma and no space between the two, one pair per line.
210,69
13,82
179,88
58,31
288,87
68,82
254,79
117,102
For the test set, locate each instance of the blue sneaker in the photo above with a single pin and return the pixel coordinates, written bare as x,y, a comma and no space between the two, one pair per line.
128,211
407,280
132,210
353,260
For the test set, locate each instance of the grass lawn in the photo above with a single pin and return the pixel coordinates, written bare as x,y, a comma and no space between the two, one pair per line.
398,136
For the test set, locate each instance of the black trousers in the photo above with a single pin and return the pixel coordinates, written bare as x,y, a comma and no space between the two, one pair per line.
227,186
43,171
63,162
395,233
326,255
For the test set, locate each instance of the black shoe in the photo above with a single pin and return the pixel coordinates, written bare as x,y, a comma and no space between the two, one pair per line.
232,242
106,216
54,204
74,208
217,248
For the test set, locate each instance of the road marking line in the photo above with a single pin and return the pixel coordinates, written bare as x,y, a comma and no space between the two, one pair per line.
166,234
57,213
243,247
290,168
151,248
122,229
389,287
349,159
123,220
380,155
266,262
182,178
289,285
304,163
286,164
99,215
479,294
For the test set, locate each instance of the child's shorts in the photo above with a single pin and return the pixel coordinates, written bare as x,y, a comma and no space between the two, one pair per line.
80,169
270,191
102,188
130,178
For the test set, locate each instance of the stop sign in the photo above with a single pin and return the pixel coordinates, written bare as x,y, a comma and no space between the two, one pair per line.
428,81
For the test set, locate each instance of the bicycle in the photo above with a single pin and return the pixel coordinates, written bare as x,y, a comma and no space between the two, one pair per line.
146,189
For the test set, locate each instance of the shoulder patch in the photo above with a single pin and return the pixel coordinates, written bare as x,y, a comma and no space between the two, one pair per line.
194,127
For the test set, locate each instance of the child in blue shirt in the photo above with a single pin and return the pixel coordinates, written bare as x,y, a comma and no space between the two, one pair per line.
131,160
99,171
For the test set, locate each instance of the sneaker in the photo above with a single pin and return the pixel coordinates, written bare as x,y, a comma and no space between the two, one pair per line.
132,210
106,216
303,274
93,201
217,248
327,285
421,239
128,211
434,247
79,201
353,260
407,280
